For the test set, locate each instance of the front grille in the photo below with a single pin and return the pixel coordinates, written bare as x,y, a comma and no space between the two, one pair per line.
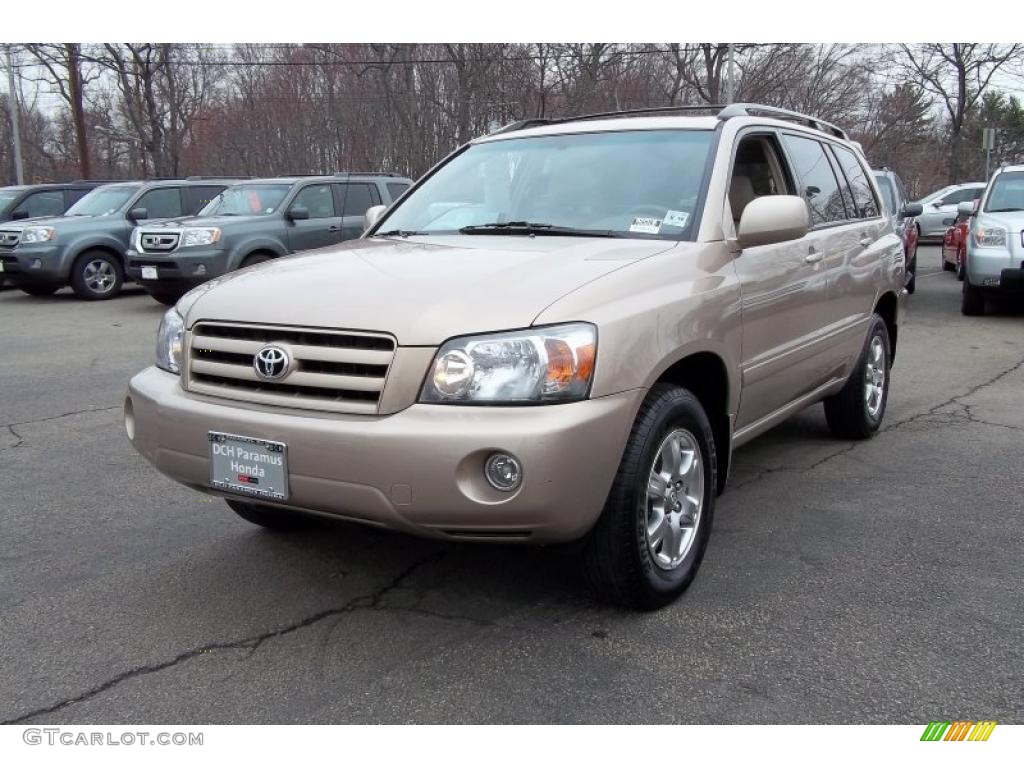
9,238
342,371
152,242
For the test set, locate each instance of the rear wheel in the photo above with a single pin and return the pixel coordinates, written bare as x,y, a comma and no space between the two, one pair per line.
856,411
39,289
912,269
97,275
649,541
269,517
946,266
972,302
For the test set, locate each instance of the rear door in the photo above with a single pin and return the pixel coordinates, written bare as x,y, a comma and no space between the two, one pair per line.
323,227
357,197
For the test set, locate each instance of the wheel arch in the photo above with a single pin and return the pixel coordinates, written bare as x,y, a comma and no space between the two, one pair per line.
243,251
887,307
705,374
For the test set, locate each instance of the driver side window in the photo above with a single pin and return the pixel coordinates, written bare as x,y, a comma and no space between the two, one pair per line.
757,171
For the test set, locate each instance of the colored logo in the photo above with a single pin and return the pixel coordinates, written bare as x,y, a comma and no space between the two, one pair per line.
958,730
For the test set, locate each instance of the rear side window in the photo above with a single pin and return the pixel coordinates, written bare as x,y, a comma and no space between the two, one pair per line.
396,190
317,199
50,203
816,182
196,198
863,197
359,198
887,191
161,203
72,196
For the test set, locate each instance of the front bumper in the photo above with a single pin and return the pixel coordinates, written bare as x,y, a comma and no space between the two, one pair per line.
419,470
184,267
996,268
35,262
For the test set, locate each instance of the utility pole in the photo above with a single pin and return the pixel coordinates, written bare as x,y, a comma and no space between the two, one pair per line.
730,74
12,105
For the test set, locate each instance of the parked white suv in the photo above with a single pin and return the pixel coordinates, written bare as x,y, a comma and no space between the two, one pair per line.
995,240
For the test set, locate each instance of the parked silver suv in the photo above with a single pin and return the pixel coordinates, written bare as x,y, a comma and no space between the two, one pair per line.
561,332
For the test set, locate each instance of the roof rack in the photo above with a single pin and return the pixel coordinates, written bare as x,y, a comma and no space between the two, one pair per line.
205,178
747,110
367,173
724,112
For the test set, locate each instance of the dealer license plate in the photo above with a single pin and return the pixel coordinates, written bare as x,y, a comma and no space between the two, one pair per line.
249,466
149,273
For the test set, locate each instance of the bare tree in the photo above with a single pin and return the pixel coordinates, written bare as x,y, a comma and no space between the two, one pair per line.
957,74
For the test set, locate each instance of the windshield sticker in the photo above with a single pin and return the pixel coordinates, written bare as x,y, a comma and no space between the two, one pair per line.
646,225
676,218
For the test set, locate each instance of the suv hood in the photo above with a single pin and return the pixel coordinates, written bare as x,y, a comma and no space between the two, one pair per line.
421,290
63,224
203,221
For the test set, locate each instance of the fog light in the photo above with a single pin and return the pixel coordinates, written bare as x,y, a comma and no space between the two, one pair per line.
129,418
37,263
503,471
199,270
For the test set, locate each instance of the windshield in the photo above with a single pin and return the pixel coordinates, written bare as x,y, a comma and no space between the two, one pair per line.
1007,193
935,195
886,186
247,200
102,201
6,198
628,183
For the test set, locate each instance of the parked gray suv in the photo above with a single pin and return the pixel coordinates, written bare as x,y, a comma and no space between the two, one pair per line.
253,222
84,248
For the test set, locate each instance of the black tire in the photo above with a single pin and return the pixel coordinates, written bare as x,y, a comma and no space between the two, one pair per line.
972,303
254,258
848,412
94,269
946,266
39,289
616,557
960,271
912,269
167,298
269,517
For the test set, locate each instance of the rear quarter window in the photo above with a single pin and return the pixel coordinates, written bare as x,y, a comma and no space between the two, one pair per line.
396,190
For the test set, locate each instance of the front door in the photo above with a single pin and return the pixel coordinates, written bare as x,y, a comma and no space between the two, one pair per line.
323,227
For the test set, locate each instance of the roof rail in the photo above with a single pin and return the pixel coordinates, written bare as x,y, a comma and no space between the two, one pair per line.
366,173
533,122
747,110
206,178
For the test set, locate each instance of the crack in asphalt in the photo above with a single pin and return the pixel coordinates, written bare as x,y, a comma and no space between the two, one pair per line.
62,415
370,602
20,439
934,411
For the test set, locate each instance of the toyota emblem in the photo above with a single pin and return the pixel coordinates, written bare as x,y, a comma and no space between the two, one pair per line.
271,362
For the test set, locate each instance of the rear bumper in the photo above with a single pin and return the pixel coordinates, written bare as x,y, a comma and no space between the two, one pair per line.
419,470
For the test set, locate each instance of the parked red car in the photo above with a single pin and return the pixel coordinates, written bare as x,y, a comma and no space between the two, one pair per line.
954,246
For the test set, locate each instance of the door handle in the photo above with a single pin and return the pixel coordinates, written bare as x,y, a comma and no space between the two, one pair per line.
813,257
866,241
333,228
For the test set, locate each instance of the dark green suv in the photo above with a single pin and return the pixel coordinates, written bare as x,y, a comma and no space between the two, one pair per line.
85,247
254,221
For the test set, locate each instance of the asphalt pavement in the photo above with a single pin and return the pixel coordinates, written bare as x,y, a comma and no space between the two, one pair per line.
873,582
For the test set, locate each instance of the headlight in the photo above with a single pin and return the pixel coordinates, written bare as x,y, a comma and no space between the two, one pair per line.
169,341
538,365
199,236
990,237
38,234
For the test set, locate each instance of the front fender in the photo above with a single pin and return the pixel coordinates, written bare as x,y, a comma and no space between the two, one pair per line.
263,243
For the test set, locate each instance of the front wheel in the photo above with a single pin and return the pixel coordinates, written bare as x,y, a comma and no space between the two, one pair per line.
649,541
856,411
972,303
97,275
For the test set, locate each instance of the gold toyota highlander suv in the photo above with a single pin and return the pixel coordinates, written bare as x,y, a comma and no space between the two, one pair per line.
561,332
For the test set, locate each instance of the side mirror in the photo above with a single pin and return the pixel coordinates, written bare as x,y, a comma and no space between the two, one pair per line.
373,216
772,219
298,213
966,208
18,215
937,204
138,214
910,210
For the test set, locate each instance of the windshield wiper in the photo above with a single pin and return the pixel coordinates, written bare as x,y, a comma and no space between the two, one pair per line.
398,233
532,228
